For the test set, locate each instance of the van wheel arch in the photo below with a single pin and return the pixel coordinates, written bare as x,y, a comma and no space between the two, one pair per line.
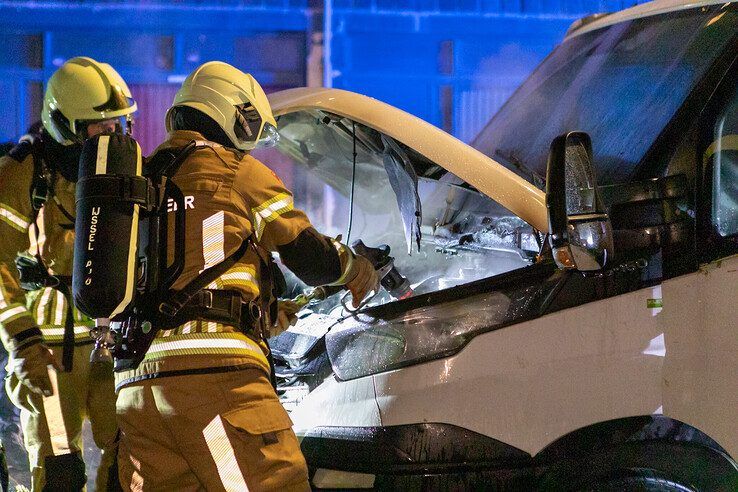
604,435
643,450
646,465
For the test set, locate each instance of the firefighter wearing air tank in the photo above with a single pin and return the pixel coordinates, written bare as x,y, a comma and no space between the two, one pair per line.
199,412
51,378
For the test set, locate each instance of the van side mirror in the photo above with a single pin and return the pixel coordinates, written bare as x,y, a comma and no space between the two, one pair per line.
581,235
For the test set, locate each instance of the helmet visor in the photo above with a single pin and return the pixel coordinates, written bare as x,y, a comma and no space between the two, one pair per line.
90,128
269,137
116,102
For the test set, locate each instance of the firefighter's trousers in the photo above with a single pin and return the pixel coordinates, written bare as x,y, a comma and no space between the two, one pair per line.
53,438
214,432
4,478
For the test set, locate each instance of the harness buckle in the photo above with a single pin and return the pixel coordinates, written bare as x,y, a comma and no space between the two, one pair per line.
253,311
168,309
206,300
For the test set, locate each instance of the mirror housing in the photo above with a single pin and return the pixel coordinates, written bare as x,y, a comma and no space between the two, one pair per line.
581,235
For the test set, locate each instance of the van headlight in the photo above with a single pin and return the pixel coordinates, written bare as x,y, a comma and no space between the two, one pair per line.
364,345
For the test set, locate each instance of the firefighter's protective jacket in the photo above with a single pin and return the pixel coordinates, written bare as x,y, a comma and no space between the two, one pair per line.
229,197
53,436
55,240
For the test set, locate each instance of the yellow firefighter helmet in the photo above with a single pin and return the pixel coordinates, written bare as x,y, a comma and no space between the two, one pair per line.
232,99
83,91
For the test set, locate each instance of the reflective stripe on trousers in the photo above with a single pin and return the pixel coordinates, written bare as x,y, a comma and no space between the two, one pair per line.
224,456
55,419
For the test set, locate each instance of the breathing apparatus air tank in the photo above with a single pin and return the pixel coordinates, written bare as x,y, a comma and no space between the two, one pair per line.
107,227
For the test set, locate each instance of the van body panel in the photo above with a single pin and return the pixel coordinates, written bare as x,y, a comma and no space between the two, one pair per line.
604,360
352,403
548,367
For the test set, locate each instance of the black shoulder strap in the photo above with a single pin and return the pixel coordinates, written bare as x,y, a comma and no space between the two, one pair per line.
41,188
167,161
42,180
40,191
178,299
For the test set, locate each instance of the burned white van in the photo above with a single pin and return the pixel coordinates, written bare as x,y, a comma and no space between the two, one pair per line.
569,319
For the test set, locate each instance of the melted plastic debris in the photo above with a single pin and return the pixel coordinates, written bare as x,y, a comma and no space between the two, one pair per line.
295,343
506,232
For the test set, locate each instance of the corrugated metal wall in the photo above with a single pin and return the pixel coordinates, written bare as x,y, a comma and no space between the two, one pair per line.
475,107
153,101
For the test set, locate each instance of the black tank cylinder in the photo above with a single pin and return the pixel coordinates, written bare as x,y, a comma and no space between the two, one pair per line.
107,225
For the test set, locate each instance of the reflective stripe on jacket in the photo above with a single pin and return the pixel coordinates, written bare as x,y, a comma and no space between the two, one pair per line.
19,312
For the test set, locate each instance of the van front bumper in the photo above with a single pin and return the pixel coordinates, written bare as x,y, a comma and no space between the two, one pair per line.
427,456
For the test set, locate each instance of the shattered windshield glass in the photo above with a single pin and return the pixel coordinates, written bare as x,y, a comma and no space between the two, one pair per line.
441,232
621,84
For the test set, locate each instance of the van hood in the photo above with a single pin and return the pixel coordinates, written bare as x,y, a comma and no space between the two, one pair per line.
318,122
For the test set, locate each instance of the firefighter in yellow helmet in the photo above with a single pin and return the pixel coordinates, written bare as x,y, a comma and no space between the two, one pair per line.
199,412
50,376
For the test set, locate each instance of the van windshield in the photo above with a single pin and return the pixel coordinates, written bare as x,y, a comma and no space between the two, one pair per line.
622,84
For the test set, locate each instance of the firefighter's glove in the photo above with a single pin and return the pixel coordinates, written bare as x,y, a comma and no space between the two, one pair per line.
30,365
364,279
286,316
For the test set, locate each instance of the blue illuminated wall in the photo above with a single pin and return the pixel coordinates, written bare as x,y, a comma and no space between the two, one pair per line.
451,62
154,45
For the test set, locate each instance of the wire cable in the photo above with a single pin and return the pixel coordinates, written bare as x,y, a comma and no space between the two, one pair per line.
353,183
